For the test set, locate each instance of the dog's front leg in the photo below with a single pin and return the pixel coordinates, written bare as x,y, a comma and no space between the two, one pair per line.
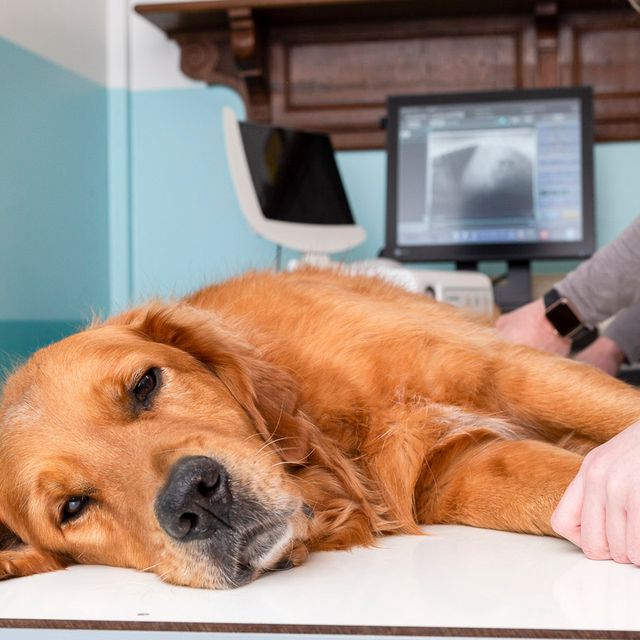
404,442
512,485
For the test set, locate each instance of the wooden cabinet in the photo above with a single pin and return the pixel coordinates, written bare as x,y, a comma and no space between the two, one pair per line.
330,64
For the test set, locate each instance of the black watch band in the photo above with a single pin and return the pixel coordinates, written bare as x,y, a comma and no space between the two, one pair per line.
550,297
562,316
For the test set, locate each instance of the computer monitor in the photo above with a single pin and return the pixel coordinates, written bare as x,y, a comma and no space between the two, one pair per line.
289,188
504,175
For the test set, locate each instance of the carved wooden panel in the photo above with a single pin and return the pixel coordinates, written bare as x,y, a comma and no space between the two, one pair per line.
604,52
366,65
330,64
381,59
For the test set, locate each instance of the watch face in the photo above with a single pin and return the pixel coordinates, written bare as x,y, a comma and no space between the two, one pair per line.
562,318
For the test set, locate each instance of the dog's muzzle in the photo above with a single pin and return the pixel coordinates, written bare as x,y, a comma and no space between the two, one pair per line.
207,511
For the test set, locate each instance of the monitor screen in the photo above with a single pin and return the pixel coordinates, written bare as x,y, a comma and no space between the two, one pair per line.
501,175
295,175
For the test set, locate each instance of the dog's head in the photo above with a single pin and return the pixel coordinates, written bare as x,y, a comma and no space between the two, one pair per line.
157,441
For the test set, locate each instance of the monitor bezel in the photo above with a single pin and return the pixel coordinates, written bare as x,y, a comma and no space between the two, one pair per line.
475,252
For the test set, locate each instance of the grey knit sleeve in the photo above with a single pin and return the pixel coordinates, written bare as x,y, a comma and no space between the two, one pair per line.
609,281
624,330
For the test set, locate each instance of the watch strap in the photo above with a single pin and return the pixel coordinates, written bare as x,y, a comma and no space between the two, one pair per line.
550,297
580,329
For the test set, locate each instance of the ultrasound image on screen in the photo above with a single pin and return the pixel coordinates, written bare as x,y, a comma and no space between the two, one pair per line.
481,175
487,173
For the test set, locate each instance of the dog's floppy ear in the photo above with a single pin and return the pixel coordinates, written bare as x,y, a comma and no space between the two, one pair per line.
268,394
20,559
278,418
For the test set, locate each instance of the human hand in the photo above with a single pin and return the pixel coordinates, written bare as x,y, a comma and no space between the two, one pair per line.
600,510
528,325
603,353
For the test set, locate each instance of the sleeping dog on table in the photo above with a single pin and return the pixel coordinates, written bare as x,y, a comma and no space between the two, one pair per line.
233,432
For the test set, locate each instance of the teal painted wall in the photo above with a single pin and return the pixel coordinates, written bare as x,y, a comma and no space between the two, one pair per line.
187,226
617,188
110,196
53,200
119,199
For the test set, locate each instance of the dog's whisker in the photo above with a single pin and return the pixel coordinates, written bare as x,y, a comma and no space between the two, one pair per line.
272,441
163,575
253,435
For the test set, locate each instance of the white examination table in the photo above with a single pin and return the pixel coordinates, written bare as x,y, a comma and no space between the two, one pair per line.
456,581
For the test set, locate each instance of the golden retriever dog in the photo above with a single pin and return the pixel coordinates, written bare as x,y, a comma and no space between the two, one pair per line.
231,433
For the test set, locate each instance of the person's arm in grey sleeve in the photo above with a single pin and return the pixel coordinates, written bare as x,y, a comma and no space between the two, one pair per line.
624,330
609,281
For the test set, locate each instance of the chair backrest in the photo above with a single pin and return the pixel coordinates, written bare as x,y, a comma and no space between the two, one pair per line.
300,236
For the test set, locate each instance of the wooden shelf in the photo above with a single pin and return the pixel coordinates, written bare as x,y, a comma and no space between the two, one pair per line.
329,65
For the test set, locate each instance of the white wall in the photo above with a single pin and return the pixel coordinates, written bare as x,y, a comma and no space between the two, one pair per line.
70,33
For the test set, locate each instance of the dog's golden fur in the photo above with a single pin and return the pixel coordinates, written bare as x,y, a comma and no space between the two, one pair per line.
345,407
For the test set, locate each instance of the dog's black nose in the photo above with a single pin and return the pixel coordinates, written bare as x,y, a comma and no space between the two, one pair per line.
196,501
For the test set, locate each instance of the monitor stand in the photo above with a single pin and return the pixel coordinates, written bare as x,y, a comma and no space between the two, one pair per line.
514,289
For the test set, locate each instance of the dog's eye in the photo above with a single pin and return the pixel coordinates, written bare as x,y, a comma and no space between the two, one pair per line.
145,387
73,508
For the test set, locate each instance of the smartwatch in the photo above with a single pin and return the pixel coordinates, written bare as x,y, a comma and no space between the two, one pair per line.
562,317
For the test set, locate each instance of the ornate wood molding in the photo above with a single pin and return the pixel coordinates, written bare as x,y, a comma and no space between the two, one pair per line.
206,56
547,34
330,64
247,46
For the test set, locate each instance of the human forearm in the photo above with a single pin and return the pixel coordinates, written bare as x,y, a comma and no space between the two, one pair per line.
624,330
607,282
